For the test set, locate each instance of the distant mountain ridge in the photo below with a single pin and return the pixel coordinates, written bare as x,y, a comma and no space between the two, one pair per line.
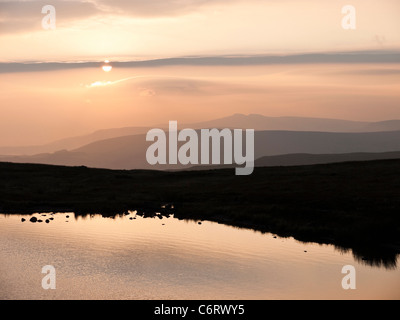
73,142
129,152
306,159
262,123
240,121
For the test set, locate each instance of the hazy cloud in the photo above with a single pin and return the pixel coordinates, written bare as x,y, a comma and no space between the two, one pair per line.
181,86
373,72
21,15
159,8
17,16
33,9
359,57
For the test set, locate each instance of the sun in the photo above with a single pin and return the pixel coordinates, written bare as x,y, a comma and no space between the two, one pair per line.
106,67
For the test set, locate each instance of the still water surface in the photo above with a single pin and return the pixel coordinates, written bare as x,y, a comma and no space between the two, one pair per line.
119,258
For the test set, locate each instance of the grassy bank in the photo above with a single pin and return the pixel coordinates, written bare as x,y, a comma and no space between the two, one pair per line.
351,204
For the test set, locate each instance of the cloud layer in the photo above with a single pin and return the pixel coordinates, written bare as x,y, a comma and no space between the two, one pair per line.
165,28
17,16
359,57
21,15
158,8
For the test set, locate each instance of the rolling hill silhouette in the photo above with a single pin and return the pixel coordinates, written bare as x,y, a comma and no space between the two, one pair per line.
240,121
129,152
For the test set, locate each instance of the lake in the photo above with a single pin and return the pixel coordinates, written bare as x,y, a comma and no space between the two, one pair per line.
143,258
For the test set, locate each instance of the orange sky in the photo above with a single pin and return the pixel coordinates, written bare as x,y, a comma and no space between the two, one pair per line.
38,107
160,28
43,106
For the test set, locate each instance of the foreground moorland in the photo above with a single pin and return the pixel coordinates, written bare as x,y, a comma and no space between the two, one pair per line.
352,205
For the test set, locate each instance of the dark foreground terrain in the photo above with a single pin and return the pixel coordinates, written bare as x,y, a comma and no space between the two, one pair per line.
352,205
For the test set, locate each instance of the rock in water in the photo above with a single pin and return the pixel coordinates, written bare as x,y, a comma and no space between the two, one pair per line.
23,220
33,220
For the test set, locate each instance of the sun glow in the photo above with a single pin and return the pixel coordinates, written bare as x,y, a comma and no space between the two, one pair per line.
99,84
107,68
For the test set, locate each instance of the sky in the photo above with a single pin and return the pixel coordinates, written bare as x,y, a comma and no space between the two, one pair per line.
41,102
139,29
